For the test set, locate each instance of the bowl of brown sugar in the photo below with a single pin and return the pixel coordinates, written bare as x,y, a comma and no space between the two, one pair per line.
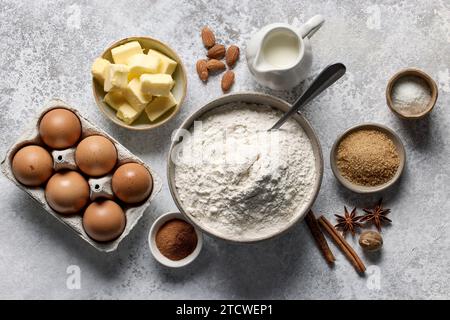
368,158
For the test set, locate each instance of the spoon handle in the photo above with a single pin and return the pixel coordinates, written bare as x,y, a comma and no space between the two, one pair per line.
326,78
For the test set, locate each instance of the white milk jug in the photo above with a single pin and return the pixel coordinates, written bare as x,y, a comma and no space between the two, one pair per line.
279,56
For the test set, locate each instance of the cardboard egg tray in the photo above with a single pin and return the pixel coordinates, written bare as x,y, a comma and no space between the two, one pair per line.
99,187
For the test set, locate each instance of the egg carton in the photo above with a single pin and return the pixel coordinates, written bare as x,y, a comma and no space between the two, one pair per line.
99,187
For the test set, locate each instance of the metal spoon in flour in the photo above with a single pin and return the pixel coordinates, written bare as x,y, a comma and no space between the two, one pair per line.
326,78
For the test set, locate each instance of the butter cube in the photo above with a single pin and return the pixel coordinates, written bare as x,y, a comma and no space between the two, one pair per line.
98,69
116,77
128,114
134,95
142,63
166,65
157,84
159,106
115,99
122,53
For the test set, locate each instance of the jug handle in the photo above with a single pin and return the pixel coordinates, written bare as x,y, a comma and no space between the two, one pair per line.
311,26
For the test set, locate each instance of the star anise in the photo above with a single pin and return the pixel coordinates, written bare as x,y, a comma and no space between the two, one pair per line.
348,222
377,215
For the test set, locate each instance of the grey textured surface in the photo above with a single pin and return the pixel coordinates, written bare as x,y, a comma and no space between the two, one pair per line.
46,50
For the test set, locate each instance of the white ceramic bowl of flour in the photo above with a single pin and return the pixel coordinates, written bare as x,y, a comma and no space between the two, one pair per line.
233,179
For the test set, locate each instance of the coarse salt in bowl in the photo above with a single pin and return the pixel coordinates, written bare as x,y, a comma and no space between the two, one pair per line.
404,93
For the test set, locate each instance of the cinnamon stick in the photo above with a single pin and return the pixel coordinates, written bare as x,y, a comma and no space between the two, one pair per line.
342,244
319,237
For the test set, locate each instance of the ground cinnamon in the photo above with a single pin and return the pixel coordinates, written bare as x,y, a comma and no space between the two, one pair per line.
176,239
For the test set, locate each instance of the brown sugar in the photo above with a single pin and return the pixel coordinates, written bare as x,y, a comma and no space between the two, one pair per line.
367,157
176,239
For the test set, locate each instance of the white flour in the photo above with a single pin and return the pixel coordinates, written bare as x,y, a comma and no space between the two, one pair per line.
411,95
237,179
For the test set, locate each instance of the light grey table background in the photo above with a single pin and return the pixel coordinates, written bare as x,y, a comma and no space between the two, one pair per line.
46,50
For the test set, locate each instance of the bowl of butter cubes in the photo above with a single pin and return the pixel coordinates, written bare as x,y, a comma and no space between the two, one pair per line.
139,83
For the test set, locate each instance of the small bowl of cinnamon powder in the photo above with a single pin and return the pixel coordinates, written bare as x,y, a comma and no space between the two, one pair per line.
174,241
368,158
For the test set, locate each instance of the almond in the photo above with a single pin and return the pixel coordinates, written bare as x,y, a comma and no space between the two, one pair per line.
208,37
202,69
216,52
227,80
232,55
215,65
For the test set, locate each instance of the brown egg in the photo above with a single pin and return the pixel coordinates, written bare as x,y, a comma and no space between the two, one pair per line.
104,220
96,156
60,128
67,192
32,165
132,183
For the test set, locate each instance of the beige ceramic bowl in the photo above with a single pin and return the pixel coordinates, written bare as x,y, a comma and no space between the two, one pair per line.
178,91
256,98
364,189
415,73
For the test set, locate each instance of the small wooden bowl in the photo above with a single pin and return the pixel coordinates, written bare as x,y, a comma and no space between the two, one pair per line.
415,73
368,189
178,91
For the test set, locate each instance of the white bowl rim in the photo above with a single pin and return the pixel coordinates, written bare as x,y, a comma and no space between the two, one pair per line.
154,249
241,96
